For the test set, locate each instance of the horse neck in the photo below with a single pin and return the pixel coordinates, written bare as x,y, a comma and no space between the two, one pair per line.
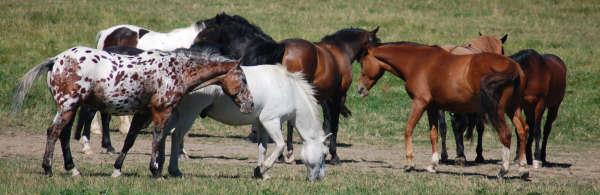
196,74
308,121
402,60
347,50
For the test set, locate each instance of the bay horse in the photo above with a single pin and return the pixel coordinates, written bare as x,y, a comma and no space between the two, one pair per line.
545,89
326,64
462,122
438,80
148,85
135,37
278,96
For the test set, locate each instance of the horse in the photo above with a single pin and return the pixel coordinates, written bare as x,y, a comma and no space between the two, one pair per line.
326,64
148,85
279,96
438,80
135,37
545,89
467,122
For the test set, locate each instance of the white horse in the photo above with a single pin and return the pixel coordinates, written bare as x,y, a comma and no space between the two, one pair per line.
278,96
142,38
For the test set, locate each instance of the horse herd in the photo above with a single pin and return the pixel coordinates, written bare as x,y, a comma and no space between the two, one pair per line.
228,69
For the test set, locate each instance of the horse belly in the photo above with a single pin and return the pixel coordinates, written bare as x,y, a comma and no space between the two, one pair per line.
225,111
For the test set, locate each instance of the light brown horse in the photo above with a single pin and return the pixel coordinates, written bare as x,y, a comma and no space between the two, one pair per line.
545,89
438,80
328,65
462,122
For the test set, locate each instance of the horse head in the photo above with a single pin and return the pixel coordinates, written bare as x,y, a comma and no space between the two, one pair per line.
313,153
234,85
371,71
353,41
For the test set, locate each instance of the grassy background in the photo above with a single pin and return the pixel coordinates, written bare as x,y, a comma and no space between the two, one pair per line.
34,30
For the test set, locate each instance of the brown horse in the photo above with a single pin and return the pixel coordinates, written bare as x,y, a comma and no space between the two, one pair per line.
328,65
467,122
438,80
545,89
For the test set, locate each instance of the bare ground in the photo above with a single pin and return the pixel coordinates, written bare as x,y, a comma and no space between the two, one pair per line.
579,163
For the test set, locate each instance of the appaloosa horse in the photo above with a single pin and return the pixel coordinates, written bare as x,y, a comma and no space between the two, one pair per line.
148,85
438,80
462,122
326,64
545,89
137,37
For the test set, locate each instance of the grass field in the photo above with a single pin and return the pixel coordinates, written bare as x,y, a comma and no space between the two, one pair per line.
31,31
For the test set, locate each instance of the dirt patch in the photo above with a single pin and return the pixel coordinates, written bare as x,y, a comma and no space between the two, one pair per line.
568,161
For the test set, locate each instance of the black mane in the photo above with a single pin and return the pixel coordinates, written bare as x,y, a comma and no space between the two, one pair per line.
346,35
237,38
522,57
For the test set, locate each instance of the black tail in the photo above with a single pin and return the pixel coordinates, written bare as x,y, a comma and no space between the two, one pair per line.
489,92
263,53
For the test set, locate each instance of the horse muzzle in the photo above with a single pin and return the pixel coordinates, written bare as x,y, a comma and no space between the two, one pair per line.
362,91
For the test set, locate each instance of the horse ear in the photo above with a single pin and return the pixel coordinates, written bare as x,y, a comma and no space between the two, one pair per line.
480,34
503,39
374,31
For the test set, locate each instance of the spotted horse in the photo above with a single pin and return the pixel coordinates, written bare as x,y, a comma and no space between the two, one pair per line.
148,85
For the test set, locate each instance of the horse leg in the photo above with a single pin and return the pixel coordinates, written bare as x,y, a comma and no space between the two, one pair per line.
124,124
106,133
517,120
66,148
479,125
95,126
530,115
335,119
459,122
62,119
86,114
273,128
443,131
433,116
160,117
182,125
289,155
417,108
139,122
537,133
262,148
551,116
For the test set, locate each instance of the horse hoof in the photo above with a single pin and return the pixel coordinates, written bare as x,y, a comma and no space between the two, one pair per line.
48,171
176,173
444,157
335,160
461,161
430,169
75,173
479,159
290,159
116,173
257,173
537,164
502,173
409,168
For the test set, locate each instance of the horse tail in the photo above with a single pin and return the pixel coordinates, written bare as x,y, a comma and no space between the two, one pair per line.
27,81
489,92
263,53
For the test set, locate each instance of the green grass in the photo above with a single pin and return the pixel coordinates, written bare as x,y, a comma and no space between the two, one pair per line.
34,30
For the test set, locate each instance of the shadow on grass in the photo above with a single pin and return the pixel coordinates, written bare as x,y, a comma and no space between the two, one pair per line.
469,163
219,157
556,165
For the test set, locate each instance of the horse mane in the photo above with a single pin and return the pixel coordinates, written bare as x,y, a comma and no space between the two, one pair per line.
201,55
345,35
236,25
309,100
522,57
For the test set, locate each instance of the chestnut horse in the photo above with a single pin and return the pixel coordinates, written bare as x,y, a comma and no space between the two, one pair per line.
148,85
467,122
326,64
438,80
545,89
